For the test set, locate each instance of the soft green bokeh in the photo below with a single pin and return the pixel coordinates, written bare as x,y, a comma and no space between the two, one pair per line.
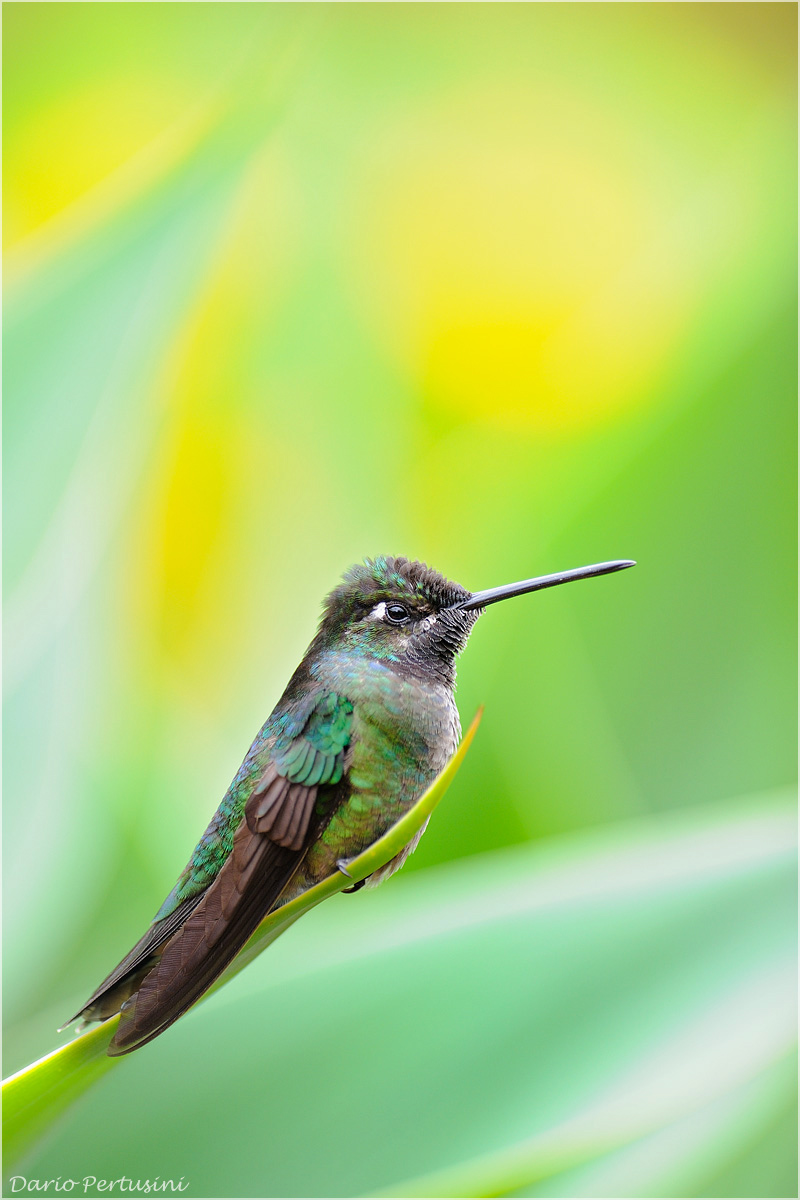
509,288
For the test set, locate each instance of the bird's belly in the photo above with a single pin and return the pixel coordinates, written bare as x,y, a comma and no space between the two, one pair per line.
392,764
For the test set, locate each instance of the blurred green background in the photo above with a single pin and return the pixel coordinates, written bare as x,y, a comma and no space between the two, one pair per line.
508,288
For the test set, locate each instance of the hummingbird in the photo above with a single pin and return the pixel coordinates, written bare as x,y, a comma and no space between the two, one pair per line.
366,723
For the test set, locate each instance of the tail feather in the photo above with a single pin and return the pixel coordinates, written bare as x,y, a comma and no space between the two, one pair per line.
123,980
228,912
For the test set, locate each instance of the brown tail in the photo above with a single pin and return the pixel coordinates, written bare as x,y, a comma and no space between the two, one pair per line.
253,877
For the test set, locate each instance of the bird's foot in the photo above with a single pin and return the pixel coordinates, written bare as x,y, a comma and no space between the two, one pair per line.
342,865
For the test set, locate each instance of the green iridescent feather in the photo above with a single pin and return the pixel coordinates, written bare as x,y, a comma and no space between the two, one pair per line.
306,745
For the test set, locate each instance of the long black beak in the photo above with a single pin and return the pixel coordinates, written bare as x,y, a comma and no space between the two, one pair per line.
481,599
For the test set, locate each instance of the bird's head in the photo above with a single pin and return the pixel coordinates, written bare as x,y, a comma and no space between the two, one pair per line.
413,619
401,613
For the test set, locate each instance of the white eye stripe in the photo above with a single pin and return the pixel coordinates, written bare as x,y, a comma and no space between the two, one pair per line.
379,612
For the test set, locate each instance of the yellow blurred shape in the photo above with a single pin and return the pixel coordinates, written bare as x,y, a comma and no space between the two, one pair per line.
65,150
554,370
537,279
193,511
193,529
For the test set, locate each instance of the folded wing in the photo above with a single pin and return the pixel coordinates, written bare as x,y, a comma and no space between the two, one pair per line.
303,779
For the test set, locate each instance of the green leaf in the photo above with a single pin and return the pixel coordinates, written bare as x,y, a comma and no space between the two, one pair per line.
36,1096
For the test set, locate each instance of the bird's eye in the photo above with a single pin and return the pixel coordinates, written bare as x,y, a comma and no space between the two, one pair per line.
396,614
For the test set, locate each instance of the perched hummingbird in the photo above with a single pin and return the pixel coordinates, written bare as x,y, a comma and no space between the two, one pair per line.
367,722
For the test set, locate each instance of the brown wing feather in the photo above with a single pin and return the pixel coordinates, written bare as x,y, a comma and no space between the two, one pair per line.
280,808
245,890
277,808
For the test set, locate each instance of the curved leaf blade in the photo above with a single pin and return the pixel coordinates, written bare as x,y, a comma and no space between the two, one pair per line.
37,1095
